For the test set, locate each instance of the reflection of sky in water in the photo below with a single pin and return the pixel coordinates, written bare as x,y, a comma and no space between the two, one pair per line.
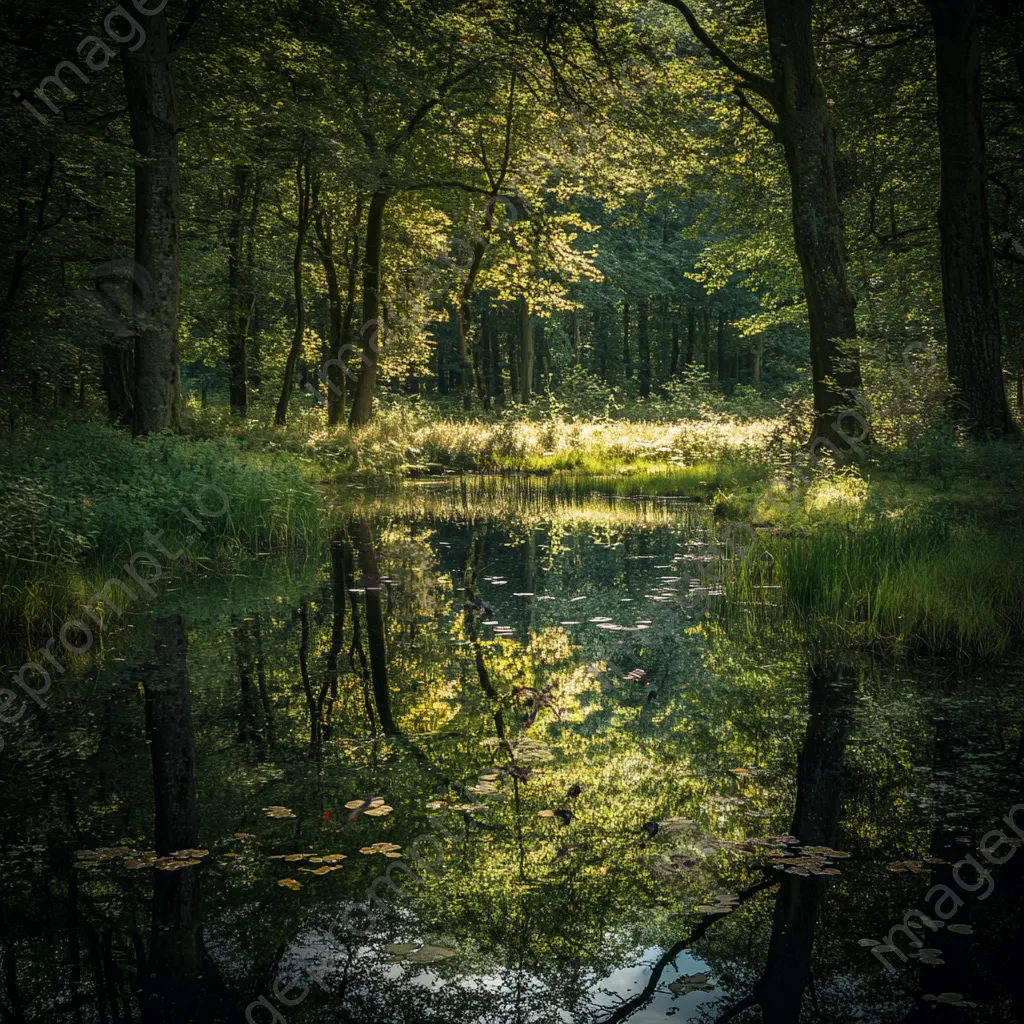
628,982
313,953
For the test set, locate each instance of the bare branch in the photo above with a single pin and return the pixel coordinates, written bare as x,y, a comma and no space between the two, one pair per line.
180,37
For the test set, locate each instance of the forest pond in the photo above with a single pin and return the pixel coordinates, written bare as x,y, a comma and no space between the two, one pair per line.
503,751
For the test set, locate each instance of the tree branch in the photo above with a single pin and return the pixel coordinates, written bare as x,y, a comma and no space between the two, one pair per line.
762,86
765,122
181,33
631,1006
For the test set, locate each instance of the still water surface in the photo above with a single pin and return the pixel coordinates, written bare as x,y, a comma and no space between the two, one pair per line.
516,759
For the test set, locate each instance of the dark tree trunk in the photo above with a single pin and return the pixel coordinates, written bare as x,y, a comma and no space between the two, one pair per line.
970,303
305,201
787,972
175,948
26,234
513,362
574,327
482,359
370,330
542,361
644,346
336,402
335,379
526,354
691,336
807,133
469,357
117,382
673,366
720,362
340,332
370,581
238,295
442,365
705,337
497,384
627,357
152,101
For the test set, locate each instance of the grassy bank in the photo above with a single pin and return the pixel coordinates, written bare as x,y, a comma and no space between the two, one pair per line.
78,498
916,550
932,568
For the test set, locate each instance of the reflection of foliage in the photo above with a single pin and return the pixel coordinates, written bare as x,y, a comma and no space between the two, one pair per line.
696,729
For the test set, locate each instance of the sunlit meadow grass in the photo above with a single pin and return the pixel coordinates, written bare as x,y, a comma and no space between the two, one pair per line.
400,439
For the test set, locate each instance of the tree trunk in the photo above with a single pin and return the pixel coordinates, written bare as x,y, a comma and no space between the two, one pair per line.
152,101
442,365
336,402
807,133
482,358
340,332
574,326
238,296
497,385
175,951
526,355
673,366
117,377
705,337
720,362
542,361
304,202
469,357
369,331
644,346
758,359
513,362
691,336
626,357
370,581
970,302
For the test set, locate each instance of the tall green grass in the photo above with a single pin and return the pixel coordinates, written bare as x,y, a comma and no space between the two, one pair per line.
931,588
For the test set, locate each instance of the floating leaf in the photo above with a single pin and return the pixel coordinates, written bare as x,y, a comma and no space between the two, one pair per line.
687,983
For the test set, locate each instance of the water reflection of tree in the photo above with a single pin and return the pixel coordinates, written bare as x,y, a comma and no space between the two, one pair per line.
180,981
779,991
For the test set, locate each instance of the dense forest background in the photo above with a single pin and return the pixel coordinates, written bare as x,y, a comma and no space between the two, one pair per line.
591,206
